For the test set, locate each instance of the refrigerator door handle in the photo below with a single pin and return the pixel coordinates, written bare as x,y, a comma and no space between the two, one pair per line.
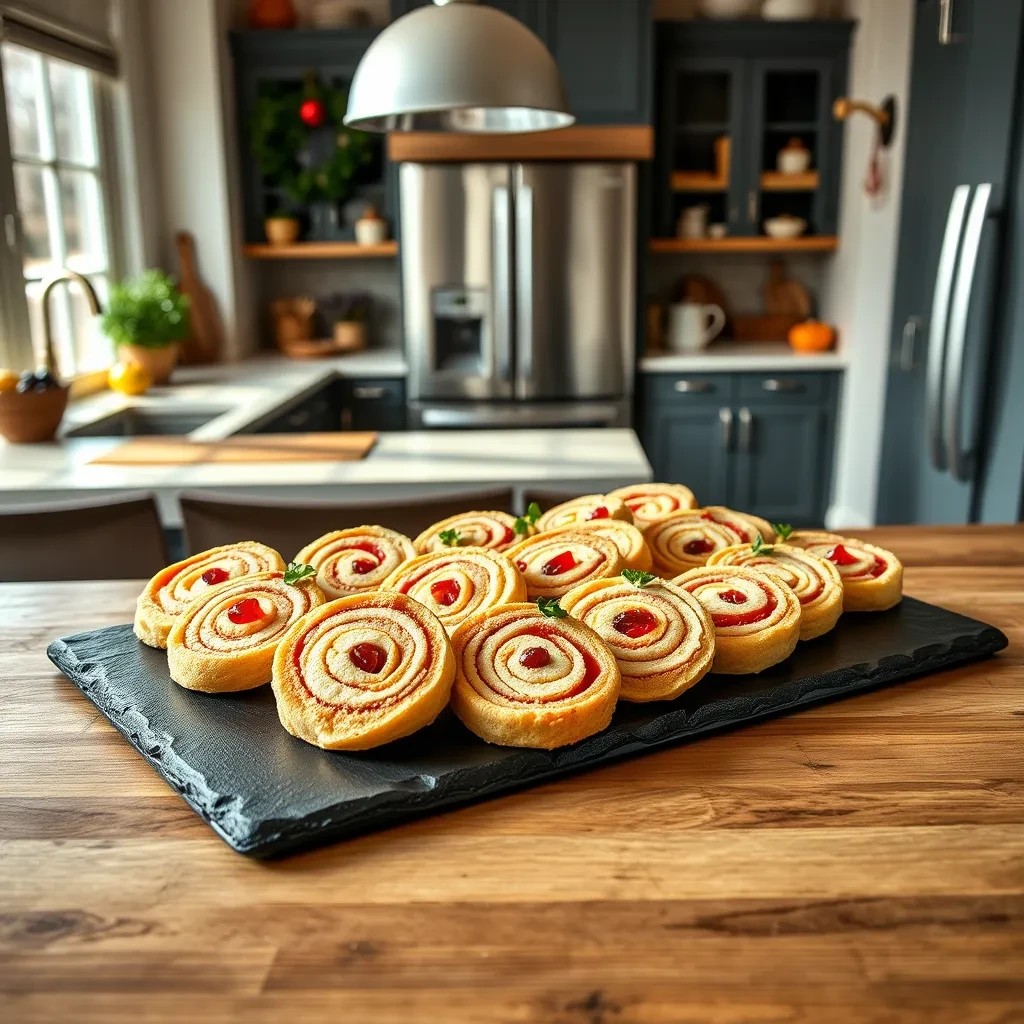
524,278
501,283
959,460
937,331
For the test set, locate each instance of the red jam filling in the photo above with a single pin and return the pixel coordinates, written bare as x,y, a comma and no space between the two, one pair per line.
368,657
741,531
246,610
698,546
535,657
722,619
559,564
361,566
214,575
840,556
520,565
510,535
601,512
445,592
591,666
635,622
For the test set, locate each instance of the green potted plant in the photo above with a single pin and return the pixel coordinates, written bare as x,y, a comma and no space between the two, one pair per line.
281,227
146,318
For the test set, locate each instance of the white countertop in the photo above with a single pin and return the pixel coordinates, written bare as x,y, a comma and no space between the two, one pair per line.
400,465
735,356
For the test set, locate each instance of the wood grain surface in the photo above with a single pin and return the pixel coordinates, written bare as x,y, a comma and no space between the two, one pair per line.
862,861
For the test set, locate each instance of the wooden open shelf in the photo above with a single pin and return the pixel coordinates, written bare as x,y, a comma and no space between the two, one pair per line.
753,244
321,251
772,181
698,181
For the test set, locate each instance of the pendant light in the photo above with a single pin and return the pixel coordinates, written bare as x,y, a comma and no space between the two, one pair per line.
457,66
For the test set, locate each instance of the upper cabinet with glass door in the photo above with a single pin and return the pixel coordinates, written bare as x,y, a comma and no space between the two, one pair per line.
733,96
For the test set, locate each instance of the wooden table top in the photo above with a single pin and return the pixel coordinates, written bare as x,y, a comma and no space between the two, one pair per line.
860,861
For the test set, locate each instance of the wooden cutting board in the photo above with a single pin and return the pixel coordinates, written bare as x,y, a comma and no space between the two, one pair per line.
180,451
206,327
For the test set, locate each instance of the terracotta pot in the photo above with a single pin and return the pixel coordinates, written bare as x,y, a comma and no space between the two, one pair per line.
159,362
272,14
349,335
32,417
281,230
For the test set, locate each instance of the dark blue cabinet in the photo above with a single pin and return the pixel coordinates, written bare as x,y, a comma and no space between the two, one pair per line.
761,442
758,85
603,48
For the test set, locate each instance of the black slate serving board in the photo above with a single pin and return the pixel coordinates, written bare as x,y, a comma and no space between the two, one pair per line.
266,793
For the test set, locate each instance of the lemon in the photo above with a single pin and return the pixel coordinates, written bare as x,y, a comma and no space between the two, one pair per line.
129,378
8,380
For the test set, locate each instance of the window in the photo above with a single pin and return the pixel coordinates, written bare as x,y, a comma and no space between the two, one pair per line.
62,191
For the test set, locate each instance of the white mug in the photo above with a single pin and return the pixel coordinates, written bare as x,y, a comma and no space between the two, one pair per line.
692,326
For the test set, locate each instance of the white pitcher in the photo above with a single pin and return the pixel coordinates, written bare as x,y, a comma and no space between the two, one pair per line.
692,326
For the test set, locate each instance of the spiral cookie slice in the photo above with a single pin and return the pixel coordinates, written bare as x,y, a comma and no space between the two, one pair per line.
172,589
686,539
757,619
585,509
553,563
457,582
495,530
225,640
357,560
814,580
626,537
661,636
651,502
872,577
743,524
525,680
362,671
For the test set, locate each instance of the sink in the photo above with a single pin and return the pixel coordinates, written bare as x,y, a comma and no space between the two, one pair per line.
145,422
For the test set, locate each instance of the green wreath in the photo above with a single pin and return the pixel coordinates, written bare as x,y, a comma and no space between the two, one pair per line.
279,138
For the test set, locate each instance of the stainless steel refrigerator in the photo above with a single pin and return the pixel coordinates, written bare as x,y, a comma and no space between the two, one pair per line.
518,293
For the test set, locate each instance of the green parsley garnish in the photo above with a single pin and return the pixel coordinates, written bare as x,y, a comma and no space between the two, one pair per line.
638,577
550,607
783,530
524,522
450,538
759,547
297,572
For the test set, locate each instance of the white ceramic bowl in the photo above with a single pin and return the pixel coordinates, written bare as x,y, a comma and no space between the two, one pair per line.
793,161
785,226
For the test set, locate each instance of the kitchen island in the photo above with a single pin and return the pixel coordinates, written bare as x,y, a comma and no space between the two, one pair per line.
860,861
400,465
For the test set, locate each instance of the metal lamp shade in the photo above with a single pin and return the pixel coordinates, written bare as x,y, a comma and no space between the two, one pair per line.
457,68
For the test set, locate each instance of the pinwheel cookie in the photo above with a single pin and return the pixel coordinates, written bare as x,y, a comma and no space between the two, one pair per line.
457,582
225,640
757,619
626,537
743,524
662,637
686,539
172,589
585,509
357,560
553,563
651,502
526,680
814,580
872,577
495,530
362,671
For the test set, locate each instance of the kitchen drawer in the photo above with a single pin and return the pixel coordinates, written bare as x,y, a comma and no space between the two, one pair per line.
783,386
374,403
675,387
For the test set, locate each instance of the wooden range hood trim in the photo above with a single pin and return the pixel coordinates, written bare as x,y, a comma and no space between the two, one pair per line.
580,142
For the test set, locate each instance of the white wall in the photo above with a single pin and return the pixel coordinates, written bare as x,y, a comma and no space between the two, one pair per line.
858,287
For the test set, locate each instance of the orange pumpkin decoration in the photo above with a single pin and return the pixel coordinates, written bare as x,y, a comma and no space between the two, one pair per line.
811,336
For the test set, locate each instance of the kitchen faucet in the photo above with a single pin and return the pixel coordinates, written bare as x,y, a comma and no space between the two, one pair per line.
90,297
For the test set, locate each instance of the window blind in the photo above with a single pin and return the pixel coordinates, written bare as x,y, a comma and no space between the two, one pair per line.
78,31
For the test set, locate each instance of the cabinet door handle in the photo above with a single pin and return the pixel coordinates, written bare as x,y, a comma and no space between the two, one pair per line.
908,342
725,419
299,419
752,205
346,419
774,384
367,391
746,430
693,387
946,36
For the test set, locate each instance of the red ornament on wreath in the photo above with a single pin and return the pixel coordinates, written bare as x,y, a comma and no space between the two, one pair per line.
312,113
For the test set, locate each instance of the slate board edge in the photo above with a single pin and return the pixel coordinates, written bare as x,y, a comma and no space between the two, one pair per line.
273,837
